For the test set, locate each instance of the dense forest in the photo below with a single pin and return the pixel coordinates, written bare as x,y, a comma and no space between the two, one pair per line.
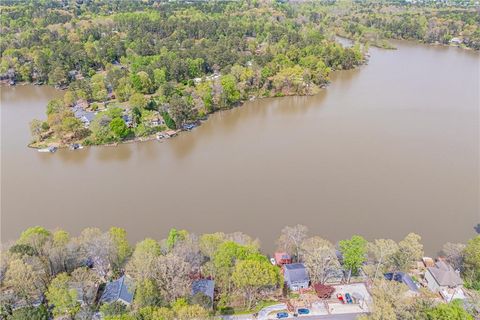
133,69
161,64
430,23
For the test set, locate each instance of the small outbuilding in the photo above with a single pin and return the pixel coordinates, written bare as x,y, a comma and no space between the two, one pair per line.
120,290
296,276
282,258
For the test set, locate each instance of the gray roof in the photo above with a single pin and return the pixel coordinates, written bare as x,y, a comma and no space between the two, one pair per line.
80,113
89,116
406,279
296,272
445,275
204,286
120,289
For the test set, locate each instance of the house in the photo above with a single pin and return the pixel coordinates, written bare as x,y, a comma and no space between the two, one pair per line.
85,116
204,286
120,290
282,258
128,120
402,277
296,276
442,277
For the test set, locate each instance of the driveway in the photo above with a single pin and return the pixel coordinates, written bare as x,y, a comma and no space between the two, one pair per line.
263,314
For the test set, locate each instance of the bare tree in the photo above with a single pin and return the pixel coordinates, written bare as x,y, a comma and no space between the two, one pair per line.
87,281
291,239
243,239
189,249
320,259
455,254
99,248
172,276
382,251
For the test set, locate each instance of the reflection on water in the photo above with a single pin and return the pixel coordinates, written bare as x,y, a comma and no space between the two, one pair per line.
387,149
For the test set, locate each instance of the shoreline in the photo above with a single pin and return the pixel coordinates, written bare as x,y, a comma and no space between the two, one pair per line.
179,131
316,90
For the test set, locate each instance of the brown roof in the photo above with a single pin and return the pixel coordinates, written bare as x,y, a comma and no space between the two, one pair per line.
428,262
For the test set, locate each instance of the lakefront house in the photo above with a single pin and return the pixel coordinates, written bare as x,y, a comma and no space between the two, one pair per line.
296,276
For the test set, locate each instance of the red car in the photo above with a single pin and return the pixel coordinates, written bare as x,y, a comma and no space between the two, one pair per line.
340,297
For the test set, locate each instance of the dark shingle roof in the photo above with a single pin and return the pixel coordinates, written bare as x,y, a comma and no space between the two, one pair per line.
120,289
296,272
204,286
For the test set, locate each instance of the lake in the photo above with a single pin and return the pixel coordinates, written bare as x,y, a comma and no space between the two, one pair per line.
387,149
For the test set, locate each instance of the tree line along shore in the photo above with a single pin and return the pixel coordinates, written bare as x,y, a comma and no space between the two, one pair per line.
135,70
99,275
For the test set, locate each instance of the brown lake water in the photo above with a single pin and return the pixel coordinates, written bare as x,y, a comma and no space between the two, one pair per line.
387,149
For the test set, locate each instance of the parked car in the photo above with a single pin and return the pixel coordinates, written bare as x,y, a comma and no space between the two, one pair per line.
348,297
340,297
282,315
303,311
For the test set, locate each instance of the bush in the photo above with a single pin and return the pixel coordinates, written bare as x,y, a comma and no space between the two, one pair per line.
226,311
22,249
30,313
113,309
169,121
119,128
202,300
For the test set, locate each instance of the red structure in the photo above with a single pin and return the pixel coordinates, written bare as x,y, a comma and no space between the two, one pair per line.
282,258
323,291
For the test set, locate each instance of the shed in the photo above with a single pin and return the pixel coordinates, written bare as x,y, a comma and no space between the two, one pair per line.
282,258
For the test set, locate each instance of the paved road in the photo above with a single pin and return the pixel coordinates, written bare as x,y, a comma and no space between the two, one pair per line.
349,316
262,315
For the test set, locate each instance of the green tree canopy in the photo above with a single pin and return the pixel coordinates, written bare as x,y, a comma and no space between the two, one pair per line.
253,276
62,297
354,253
